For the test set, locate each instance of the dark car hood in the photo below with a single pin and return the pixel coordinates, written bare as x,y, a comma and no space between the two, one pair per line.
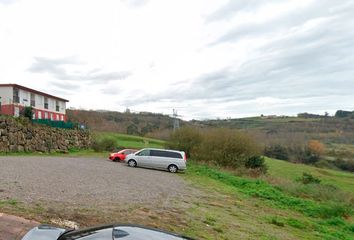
107,232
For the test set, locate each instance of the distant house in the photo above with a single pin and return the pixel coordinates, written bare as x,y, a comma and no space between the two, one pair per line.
13,98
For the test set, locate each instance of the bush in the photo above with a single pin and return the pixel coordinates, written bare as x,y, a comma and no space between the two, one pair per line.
276,151
105,144
185,139
27,112
256,162
303,154
224,147
308,178
315,147
346,165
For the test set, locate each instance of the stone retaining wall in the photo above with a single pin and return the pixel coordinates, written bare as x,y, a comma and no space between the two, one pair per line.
21,135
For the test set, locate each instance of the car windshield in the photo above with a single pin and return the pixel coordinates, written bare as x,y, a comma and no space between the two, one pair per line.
124,231
229,119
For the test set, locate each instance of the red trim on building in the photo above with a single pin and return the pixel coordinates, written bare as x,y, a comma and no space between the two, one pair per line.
9,109
33,91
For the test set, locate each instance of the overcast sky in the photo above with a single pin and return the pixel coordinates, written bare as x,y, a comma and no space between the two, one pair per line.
207,59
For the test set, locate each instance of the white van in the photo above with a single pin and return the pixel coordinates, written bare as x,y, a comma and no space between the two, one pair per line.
171,160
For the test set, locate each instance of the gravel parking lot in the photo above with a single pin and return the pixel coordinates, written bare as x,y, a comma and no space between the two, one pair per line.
83,181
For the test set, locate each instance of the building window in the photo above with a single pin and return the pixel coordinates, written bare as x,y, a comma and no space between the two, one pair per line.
51,117
16,98
39,115
57,106
45,115
33,100
62,117
46,103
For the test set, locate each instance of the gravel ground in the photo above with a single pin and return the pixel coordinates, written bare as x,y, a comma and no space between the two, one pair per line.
84,181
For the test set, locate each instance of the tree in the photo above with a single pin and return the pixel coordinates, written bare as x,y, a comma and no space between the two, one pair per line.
343,114
27,113
316,147
133,129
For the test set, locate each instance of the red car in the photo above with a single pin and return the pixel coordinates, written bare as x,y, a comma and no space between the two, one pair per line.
120,156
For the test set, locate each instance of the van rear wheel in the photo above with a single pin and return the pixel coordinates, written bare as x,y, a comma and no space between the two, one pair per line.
172,168
132,163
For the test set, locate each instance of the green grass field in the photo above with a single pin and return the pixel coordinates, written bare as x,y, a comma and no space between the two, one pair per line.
130,141
245,208
292,171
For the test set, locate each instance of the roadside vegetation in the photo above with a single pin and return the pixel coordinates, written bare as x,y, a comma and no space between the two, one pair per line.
219,147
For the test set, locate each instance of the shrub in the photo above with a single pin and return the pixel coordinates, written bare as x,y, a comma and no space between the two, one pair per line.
225,147
308,178
27,112
346,165
303,154
315,147
256,162
276,221
105,144
185,139
276,151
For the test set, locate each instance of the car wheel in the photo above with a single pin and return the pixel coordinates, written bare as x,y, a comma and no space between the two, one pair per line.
132,163
172,168
117,159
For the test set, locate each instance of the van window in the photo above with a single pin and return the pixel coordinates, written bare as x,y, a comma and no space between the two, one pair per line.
173,155
145,152
158,153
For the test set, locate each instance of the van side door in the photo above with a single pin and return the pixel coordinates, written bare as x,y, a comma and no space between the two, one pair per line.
143,157
157,158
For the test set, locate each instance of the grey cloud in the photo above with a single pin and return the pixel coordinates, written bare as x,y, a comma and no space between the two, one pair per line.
296,18
65,85
109,76
56,67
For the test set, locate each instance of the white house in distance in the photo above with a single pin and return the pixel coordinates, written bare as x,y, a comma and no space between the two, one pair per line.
14,97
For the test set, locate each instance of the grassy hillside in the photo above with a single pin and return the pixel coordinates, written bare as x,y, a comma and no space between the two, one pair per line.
292,171
244,208
155,124
130,141
326,129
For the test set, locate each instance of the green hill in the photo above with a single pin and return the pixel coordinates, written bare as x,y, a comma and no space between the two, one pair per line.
276,206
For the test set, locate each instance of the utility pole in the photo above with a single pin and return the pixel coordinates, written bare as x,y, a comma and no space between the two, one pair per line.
175,120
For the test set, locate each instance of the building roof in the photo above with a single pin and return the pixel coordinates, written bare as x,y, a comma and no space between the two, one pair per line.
33,91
